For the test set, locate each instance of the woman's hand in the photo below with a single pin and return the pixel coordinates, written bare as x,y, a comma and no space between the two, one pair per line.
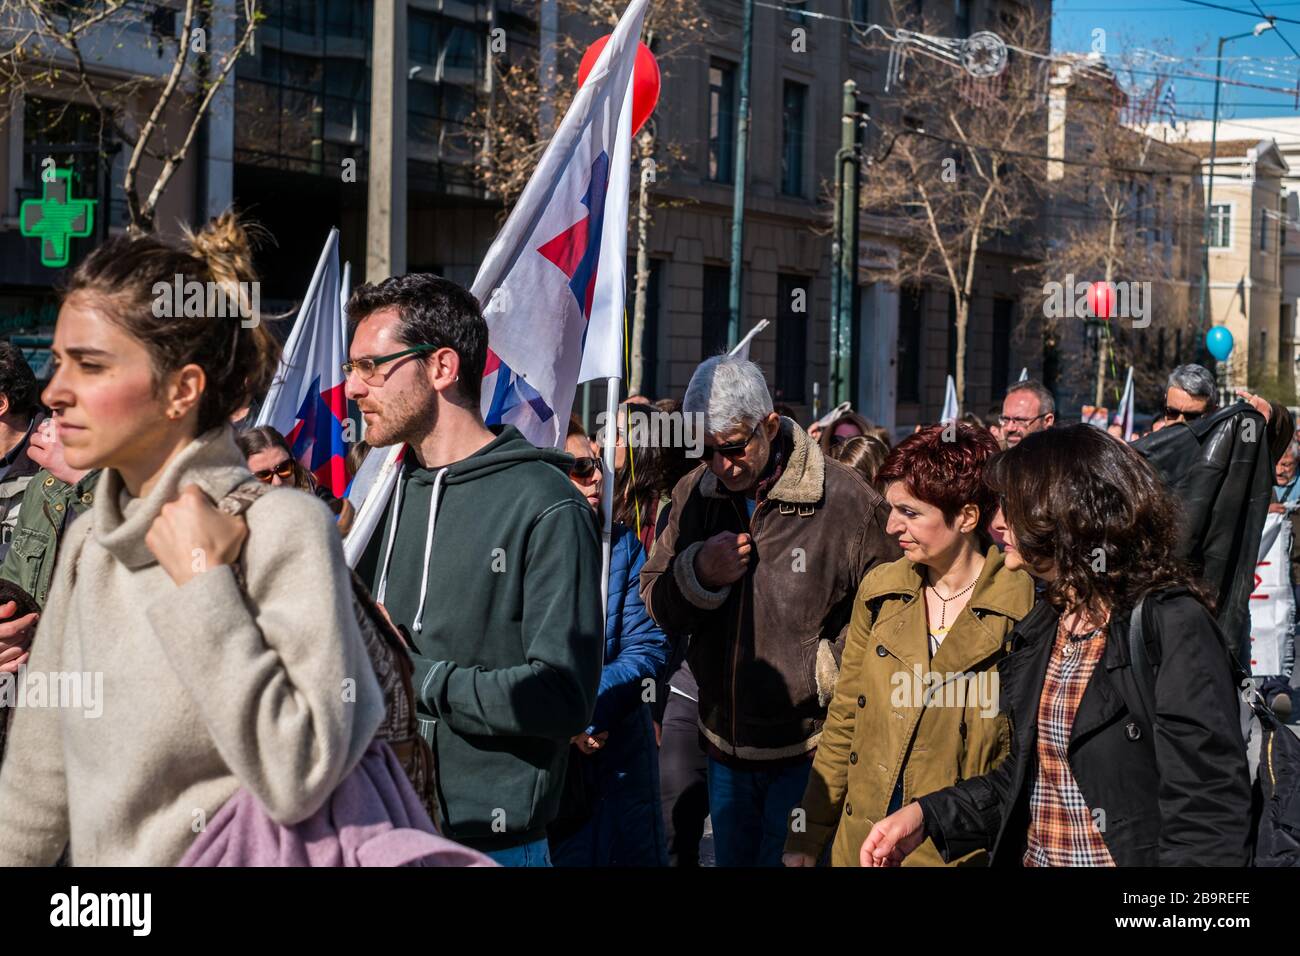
590,745
15,637
190,535
894,837
1258,402
797,859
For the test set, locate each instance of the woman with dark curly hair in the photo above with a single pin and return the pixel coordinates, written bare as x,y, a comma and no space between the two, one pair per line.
915,707
645,485
1092,780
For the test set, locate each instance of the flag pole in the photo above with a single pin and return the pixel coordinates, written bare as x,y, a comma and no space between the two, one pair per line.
610,434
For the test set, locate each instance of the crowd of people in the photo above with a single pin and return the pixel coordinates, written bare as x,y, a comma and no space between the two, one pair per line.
832,645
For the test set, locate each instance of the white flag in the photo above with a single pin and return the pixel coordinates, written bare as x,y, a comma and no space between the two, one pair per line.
552,284
950,410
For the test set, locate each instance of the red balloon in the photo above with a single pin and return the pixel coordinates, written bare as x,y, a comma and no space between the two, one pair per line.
1101,300
645,79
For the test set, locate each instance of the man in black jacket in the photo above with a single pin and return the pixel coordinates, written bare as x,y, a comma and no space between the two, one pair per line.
1220,462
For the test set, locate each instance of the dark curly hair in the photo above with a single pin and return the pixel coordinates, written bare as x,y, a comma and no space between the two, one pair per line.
18,381
432,311
1089,506
943,465
658,469
124,277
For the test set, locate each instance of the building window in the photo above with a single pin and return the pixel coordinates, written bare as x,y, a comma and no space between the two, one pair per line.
421,37
295,16
1220,226
793,292
722,122
1263,230
792,136
862,12
795,9
961,17
76,138
910,302
717,311
1003,317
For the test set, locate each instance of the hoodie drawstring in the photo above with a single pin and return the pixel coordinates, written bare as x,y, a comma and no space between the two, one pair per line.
428,545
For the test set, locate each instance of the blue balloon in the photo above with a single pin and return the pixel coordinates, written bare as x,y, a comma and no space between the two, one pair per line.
1219,341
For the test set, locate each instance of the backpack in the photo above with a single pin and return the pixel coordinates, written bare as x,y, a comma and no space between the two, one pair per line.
389,656
1275,807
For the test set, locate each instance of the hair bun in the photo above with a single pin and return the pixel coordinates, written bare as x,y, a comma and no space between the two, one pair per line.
224,245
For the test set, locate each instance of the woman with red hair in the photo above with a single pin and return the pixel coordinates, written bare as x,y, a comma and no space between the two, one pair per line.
916,705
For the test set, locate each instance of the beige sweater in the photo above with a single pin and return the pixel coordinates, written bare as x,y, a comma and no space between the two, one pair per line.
203,690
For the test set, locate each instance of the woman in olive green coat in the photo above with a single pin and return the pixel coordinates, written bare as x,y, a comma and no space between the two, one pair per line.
916,705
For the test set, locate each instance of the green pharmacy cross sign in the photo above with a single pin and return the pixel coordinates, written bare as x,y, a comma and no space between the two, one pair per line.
56,218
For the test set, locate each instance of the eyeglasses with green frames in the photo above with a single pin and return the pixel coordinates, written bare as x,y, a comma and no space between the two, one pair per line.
365,367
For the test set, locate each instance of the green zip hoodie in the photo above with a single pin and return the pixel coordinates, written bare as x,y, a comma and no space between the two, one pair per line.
509,633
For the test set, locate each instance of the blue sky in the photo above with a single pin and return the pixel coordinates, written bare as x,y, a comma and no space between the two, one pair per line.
1182,29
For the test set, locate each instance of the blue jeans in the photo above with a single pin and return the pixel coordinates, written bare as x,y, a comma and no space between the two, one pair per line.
537,853
750,810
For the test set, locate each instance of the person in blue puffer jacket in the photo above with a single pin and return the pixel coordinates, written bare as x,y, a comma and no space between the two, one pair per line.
610,814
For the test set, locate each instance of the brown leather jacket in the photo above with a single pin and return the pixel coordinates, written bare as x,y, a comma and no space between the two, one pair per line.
766,649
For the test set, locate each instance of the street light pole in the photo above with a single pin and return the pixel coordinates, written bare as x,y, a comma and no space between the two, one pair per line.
738,194
1260,27
842,329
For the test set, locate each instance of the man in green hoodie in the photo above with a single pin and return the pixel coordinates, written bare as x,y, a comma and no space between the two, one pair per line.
487,557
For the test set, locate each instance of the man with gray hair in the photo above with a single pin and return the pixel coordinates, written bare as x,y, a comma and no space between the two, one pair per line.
1190,393
765,547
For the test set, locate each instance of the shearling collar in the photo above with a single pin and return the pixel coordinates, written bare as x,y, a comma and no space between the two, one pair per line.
212,461
801,483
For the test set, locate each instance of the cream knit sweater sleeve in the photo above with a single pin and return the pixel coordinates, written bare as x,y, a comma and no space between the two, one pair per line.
33,790
281,679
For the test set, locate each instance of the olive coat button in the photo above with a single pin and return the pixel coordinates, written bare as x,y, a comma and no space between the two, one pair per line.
853,756
880,651
862,700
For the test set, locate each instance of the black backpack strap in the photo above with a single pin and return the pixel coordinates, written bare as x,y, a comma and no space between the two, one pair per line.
1144,676
1144,672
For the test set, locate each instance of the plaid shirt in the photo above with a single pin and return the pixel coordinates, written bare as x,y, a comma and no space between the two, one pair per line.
1061,828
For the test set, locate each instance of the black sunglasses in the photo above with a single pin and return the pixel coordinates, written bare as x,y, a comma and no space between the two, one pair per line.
1172,414
584,467
732,450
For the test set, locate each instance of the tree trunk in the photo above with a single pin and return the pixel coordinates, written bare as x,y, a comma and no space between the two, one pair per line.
1103,338
963,314
635,375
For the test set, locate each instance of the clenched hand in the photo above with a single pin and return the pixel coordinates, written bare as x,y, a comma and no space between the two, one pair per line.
191,535
724,559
